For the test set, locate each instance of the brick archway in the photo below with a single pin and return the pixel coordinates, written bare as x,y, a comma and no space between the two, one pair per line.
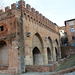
56,53
49,50
3,54
37,57
49,55
56,49
37,44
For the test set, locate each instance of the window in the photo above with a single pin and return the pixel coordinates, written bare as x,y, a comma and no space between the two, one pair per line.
1,28
73,37
72,30
71,23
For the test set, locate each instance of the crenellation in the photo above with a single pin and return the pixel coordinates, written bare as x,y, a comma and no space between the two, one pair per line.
44,21
40,15
1,11
7,8
28,7
33,12
37,16
43,18
21,4
13,6
47,22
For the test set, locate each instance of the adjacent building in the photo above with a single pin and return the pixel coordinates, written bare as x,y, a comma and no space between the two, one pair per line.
69,30
63,36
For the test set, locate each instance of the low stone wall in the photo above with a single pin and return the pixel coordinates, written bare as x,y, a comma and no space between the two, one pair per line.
33,68
66,51
44,68
8,71
39,68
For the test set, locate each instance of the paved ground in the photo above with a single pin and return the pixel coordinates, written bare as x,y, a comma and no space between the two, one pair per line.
32,73
73,73
41,73
37,73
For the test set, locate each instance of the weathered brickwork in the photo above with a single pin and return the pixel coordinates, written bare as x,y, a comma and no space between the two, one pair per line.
67,51
28,36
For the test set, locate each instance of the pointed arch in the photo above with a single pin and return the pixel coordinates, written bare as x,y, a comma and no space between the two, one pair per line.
56,49
37,41
37,57
49,50
50,43
49,55
57,41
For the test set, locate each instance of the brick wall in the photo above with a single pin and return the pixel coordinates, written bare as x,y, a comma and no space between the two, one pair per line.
44,68
38,68
67,50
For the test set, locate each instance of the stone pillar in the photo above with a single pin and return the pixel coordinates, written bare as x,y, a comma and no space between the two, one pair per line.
59,51
13,57
28,56
45,56
54,53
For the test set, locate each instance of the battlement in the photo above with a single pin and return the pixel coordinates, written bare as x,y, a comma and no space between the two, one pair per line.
31,12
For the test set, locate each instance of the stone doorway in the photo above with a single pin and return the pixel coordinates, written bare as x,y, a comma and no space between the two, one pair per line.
37,57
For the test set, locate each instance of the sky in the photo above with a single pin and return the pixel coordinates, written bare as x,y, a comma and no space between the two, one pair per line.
56,11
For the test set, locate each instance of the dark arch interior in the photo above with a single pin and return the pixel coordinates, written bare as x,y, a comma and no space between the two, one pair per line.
56,53
37,57
3,54
49,55
36,51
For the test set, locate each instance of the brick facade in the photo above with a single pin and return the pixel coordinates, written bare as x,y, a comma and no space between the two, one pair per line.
69,28
26,31
67,50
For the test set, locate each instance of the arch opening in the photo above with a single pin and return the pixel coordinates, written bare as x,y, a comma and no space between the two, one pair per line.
37,57
49,55
3,54
37,41
56,53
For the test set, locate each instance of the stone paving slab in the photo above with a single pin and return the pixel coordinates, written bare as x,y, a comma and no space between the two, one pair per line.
37,73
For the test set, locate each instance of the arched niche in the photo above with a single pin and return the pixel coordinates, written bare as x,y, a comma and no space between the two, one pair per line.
3,54
49,55
37,57
37,42
56,49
